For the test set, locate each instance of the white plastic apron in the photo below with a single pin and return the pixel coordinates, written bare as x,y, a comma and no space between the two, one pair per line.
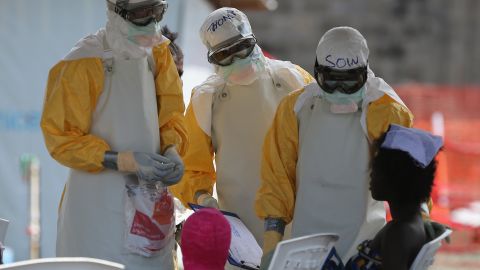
333,178
241,118
91,220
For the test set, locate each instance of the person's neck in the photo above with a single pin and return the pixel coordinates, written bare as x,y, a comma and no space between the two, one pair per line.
402,211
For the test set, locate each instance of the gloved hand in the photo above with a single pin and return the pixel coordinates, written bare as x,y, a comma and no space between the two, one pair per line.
273,234
270,241
177,174
148,167
205,199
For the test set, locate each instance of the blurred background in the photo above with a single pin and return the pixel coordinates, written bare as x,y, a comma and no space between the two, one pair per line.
428,50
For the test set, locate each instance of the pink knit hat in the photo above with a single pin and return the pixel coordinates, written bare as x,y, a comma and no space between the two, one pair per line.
206,239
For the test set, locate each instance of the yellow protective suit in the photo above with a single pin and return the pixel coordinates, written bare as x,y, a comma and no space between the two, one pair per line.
277,195
231,135
73,89
97,100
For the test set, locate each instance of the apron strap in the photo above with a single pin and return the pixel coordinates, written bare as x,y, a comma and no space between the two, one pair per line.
151,62
107,57
220,94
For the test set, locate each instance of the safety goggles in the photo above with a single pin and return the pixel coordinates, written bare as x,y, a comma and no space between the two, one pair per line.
226,56
345,81
142,15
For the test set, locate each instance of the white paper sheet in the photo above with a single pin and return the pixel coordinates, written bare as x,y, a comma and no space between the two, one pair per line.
244,249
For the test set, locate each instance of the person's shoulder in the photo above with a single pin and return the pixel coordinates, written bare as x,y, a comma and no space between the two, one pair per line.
208,88
280,67
380,94
295,76
401,243
385,100
287,108
161,46
386,105
90,46
298,98
280,63
407,238
396,228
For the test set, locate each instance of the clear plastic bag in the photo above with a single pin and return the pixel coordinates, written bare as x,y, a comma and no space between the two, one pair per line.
150,219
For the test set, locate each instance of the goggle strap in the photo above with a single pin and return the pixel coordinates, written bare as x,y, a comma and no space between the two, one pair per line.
120,9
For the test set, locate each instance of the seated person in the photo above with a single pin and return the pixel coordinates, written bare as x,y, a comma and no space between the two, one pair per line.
403,169
206,239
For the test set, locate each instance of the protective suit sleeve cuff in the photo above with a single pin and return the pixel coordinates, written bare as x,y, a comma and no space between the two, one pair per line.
275,224
110,160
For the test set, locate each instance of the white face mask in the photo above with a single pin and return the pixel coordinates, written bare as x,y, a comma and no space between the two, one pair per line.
344,103
243,71
145,36
119,34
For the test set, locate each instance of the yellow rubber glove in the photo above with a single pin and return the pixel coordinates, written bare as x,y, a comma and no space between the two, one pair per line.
270,240
266,260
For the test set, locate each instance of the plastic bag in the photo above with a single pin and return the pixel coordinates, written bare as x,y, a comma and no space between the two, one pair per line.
150,220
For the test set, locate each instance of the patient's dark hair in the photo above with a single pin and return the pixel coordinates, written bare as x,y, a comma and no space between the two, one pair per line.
177,53
406,180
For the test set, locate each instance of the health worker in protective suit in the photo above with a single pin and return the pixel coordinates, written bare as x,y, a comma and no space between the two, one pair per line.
229,115
315,164
114,110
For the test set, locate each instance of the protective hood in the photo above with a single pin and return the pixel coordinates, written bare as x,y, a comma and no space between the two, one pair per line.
342,48
223,26
117,34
